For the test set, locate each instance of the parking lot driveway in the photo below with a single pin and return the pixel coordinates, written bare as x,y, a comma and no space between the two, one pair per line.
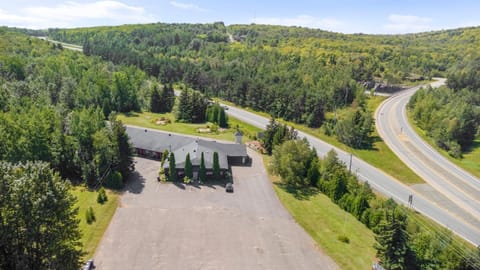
168,226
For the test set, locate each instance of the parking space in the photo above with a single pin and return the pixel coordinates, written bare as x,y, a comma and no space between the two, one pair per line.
168,226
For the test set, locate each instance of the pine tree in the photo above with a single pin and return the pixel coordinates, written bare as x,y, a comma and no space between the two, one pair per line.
172,170
188,167
167,98
155,101
216,166
392,239
313,173
202,173
184,107
222,118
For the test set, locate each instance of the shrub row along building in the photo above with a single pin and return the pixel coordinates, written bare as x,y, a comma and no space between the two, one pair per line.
152,144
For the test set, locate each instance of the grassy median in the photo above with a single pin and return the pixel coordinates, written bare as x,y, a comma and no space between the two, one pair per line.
379,156
470,160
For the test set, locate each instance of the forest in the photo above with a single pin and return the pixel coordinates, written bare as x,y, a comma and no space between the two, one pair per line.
57,122
294,73
451,114
58,107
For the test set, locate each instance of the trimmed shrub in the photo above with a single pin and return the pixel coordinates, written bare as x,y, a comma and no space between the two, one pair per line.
102,196
344,239
90,215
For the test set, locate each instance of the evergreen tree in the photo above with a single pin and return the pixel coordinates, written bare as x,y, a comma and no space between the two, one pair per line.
124,150
156,103
188,167
202,174
267,140
167,98
313,173
172,170
216,166
222,118
355,129
392,239
184,107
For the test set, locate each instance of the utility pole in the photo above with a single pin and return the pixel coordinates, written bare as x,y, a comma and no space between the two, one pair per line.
350,166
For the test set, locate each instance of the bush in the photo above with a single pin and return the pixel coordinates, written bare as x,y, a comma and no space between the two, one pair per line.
454,150
102,196
90,215
214,128
344,239
114,181
187,180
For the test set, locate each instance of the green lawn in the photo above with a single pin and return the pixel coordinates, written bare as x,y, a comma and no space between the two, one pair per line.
92,233
324,221
148,119
470,160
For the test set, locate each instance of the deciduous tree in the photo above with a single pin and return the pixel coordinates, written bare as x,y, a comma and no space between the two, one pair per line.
41,230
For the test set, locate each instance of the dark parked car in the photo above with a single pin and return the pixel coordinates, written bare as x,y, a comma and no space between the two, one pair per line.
229,187
89,265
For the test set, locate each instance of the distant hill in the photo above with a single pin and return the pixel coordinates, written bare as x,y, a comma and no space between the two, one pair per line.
291,72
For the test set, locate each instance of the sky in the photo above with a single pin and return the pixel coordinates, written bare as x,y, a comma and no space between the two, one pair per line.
346,16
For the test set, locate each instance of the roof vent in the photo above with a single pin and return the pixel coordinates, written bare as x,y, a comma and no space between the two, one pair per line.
169,134
145,130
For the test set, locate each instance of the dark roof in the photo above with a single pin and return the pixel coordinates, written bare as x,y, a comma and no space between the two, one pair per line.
158,141
195,149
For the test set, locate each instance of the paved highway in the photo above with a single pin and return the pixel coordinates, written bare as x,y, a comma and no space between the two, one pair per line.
454,183
380,181
69,46
387,185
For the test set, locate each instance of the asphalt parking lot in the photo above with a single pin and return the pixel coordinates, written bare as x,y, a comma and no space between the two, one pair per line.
173,226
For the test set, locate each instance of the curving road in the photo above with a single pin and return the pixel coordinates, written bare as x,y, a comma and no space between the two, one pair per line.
458,186
427,201
382,182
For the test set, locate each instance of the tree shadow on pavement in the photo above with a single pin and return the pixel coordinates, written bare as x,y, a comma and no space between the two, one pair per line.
135,183
179,185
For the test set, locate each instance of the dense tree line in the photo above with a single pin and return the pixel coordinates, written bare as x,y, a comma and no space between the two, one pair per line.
262,79
54,105
162,101
451,117
275,134
78,144
403,240
192,106
57,122
267,69
216,114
